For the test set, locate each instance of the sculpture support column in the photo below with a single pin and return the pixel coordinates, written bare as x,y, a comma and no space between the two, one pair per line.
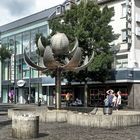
58,88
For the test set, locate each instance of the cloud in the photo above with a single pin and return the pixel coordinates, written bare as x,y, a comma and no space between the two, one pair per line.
18,7
11,10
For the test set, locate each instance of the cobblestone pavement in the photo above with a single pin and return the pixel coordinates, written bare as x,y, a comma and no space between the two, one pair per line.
64,131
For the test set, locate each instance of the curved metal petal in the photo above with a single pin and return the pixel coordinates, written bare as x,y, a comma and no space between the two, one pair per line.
86,63
75,60
40,47
74,48
49,60
41,62
32,64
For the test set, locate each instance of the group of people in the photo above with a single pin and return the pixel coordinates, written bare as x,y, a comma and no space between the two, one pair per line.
113,100
70,102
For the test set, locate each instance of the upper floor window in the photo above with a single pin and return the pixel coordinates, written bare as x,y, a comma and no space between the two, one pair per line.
67,6
124,10
77,1
58,10
19,44
124,35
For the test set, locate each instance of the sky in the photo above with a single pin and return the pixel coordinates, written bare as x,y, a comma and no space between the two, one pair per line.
11,10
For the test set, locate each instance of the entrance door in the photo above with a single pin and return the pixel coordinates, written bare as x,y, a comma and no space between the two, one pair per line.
5,97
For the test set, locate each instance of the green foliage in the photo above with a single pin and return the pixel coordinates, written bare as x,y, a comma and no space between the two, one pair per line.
91,25
44,41
4,53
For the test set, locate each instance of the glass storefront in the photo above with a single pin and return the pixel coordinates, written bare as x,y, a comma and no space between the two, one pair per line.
97,94
17,43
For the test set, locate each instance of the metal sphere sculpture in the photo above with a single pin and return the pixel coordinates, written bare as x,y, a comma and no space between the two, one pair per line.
50,55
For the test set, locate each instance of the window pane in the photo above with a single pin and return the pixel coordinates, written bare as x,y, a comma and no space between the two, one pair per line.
18,68
33,35
25,71
123,10
5,65
26,40
44,30
19,44
11,44
123,35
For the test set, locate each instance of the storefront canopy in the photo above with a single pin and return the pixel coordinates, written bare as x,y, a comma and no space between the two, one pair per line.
49,81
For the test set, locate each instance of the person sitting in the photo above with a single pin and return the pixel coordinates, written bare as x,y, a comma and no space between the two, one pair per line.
77,102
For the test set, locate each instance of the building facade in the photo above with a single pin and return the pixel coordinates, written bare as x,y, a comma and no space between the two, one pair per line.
26,81
16,75
127,50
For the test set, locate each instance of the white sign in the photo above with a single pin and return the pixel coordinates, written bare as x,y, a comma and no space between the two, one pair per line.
12,68
21,83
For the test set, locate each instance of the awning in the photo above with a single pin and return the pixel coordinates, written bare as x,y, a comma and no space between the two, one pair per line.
49,81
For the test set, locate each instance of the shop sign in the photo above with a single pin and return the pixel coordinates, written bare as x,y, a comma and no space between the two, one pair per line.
21,83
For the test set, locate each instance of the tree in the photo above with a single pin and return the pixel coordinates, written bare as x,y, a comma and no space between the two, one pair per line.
91,25
4,53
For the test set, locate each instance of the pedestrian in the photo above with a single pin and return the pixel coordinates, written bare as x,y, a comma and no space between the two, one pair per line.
118,102
110,97
68,99
114,100
11,95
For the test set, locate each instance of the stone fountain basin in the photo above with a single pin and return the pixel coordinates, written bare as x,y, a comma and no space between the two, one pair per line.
117,119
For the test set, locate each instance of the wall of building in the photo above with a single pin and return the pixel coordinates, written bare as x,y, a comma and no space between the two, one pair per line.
134,96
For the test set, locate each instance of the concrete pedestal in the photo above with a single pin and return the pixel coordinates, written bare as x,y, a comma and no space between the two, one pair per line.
25,126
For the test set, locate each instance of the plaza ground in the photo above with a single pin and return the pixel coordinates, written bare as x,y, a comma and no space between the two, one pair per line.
64,131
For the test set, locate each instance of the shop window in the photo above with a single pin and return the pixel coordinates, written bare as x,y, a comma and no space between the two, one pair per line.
25,71
97,97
